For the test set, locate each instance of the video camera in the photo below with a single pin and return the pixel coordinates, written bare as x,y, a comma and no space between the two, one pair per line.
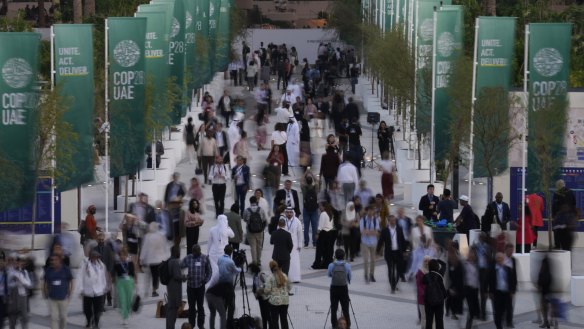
239,258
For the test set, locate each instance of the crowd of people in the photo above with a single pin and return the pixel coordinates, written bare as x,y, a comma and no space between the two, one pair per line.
334,211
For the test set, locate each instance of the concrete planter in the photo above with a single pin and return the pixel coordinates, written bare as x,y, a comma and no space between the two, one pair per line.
560,262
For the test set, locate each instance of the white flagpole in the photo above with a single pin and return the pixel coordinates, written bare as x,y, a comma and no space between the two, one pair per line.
432,141
106,132
472,107
524,143
53,162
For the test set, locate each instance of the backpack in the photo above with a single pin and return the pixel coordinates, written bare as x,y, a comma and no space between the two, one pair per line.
339,275
164,272
310,199
435,293
256,224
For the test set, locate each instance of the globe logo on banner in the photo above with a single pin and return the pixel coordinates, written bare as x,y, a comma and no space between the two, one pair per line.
17,73
127,53
445,44
211,9
427,29
175,28
188,19
548,62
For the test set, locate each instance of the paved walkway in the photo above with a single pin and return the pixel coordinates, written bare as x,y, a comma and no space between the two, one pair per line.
373,305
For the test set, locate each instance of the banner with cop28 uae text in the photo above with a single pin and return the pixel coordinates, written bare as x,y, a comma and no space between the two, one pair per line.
213,14
126,92
73,47
176,55
447,48
19,60
223,41
549,46
494,65
157,69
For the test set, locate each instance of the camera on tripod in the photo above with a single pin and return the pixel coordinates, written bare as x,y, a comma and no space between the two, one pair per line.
239,258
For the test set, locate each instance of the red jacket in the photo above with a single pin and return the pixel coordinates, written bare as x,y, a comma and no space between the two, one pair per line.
535,204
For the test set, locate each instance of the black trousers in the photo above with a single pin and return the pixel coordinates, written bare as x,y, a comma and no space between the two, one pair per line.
265,312
196,299
483,285
284,264
219,198
285,164
472,299
501,305
92,308
434,314
339,294
208,161
192,234
322,250
563,239
154,272
394,267
279,312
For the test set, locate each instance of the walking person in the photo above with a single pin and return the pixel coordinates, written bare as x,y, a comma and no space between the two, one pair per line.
420,289
218,175
92,283
234,222
340,273
241,179
283,245
259,281
434,295
277,290
193,222
471,287
369,227
456,282
350,231
199,272
294,226
208,151
57,289
126,281
224,106
256,220
310,210
173,288
218,238
189,137
502,287
323,255
394,243
348,177
153,252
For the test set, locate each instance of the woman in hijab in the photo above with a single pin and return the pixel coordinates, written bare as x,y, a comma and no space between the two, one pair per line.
350,226
218,238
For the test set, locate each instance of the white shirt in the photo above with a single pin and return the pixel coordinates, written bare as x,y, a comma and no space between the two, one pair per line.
92,278
393,235
218,174
348,174
291,99
282,115
386,166
279,137
324,222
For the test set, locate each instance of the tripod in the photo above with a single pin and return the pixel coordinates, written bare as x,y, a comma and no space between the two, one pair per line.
329,313
243,284
371,163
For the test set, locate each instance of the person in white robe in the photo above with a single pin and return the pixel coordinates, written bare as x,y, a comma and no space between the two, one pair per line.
218,238
293,143
294,227
288,97
234,137
296,88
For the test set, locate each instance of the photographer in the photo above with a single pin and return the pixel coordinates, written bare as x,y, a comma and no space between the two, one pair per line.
340,272
221,293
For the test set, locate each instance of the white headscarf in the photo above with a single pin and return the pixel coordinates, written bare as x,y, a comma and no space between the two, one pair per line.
219,235
350,214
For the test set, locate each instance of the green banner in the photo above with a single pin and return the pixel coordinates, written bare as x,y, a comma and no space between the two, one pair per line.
126,92
213,14
447,48
191,74
494,64
389,14
425,34
157,69
223,41
549,71
176,57
203,42
19,60
73,46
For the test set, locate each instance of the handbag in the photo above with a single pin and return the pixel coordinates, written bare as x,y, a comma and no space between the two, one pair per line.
161,308
182,311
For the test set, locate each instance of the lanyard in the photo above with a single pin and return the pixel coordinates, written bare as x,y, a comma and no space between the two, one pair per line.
289,224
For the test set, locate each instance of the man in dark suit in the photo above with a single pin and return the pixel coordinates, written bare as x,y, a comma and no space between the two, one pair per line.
241,178
392,237
174,189
502,288
497,212
283,245
428,204
288,197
